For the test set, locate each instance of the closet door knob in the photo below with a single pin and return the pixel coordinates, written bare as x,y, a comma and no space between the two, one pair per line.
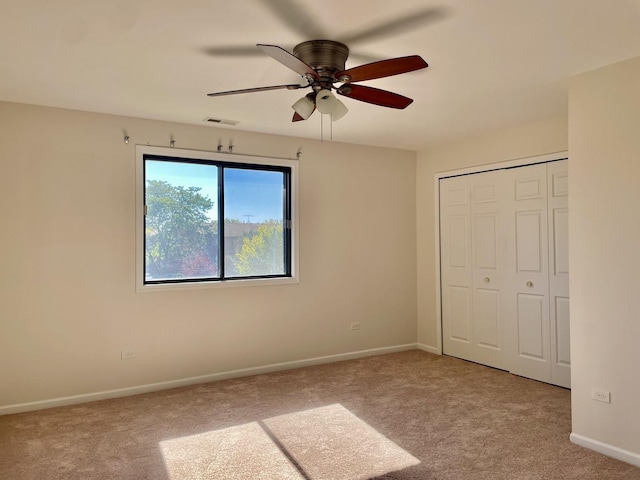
529,284
486,280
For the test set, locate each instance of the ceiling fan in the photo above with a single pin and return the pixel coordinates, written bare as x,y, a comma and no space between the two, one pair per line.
322,64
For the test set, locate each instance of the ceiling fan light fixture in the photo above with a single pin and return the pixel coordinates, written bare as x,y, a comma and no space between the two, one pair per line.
339,112
326,101
304,107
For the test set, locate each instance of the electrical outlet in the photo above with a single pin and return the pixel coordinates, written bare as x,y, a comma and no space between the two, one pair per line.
355,326
600,395
126,354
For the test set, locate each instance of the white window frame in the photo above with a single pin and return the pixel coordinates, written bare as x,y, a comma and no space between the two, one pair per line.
142,150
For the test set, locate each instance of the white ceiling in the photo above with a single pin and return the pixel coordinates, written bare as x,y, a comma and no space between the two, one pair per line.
493,63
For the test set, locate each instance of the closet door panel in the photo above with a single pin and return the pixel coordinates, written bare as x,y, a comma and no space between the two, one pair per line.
486,241
560,241
457,236
460,314
562,329
529,242
488,194
528,298
531,326
487,281
456,267
488,318
558,176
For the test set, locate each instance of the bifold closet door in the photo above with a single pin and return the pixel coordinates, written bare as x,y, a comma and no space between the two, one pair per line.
472,252
505,271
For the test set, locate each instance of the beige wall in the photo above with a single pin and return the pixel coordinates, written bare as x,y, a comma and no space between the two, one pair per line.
604,143
602,137
67,295
525,141
68,303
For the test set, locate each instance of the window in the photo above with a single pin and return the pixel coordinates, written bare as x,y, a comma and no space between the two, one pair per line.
214,218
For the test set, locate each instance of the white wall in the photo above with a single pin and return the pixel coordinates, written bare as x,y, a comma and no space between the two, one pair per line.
604,231
515,143
68,303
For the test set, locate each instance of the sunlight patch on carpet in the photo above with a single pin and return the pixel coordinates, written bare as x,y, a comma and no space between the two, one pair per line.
332,443
327,443
242,452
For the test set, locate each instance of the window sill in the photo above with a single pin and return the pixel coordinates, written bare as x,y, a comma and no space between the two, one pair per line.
252,282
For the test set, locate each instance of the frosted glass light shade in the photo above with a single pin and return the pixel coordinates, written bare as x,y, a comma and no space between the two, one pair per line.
304,107
325,101
339,111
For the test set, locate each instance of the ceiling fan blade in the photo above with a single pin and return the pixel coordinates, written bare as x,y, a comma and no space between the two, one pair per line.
298,118
401,24
295,17
294,86
232,51
289,60
375,96
383,68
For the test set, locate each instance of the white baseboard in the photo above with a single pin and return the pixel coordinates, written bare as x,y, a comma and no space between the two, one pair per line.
606,449
244,372
429,348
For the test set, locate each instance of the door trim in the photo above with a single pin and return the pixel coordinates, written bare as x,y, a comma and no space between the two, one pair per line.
520,162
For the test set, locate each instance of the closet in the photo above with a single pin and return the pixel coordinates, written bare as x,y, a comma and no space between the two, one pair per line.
505,271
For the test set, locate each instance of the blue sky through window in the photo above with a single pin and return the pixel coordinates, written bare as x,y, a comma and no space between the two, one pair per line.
251,196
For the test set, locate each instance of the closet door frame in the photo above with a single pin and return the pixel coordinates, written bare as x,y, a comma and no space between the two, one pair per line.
521,162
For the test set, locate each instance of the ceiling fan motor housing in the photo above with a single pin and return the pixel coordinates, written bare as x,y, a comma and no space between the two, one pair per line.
326,57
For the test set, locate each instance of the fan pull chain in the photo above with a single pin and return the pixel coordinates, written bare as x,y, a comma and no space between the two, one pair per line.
330,115
331,126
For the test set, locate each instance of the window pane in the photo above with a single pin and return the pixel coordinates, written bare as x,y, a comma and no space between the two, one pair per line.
181,224
253,225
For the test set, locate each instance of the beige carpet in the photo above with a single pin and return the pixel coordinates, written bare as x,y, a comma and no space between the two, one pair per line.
461,420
